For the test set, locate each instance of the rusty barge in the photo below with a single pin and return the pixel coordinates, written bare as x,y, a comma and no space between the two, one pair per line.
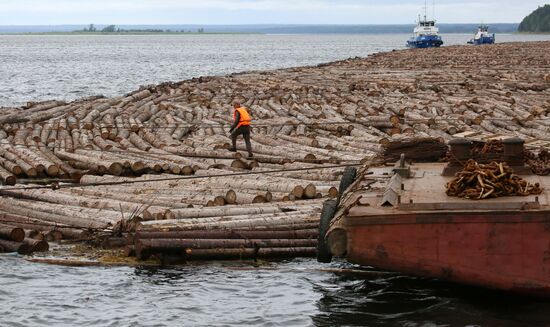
400,218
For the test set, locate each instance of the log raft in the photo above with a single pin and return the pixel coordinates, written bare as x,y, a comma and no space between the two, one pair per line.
307,119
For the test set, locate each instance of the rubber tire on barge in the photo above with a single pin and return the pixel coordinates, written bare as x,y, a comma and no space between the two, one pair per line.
328,212
347,179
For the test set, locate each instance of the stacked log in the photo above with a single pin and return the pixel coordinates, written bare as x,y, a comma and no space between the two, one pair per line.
243,233
131,157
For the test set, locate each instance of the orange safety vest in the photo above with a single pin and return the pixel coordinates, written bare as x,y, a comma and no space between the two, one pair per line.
245,117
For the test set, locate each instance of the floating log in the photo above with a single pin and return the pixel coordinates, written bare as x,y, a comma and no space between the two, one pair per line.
37,245
229,234
12,233
242,253
250,253
19,247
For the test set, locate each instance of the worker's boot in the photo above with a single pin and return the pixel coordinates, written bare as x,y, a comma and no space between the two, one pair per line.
250,154
232,149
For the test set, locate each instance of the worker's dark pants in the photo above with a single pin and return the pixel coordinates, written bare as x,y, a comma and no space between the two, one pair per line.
245,132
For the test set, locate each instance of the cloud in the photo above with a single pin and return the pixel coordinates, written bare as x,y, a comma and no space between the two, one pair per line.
103,5
257,11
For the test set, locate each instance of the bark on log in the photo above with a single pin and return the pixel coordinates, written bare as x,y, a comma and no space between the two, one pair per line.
229,234
19,247
197,254
182,244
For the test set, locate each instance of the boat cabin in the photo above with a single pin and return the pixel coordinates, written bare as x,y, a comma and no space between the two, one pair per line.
426,27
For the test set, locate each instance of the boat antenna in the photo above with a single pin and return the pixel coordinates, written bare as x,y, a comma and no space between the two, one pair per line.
425,10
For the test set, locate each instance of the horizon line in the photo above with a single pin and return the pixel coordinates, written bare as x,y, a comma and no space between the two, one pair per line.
274,24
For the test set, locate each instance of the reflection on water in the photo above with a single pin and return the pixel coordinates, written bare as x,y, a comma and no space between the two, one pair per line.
283,293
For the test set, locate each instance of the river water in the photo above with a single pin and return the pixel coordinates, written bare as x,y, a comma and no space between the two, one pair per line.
281,293
45,67
288,293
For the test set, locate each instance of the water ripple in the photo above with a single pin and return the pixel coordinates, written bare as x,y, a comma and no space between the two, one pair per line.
69,67
284,293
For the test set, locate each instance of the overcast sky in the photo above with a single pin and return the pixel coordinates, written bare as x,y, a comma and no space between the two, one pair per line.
56,12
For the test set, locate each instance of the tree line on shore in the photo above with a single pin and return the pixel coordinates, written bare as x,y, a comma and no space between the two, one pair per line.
537,22
114,29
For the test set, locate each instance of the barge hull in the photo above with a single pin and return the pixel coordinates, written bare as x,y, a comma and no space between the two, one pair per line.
502,250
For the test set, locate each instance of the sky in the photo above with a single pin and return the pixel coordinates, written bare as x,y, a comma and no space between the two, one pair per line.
239,12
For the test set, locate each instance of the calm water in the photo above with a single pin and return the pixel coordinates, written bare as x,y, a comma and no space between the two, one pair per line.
288,293
69,67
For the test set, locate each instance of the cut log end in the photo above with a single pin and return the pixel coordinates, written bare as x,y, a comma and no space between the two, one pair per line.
52,171
17,170
298,192
116,169
394,119
310,157
137,166
10,180
333,192
310,191
384,141
219,201
231,197
259,199
187,170
175,170
31,172
15,234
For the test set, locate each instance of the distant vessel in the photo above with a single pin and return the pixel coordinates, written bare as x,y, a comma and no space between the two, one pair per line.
426,34
482,36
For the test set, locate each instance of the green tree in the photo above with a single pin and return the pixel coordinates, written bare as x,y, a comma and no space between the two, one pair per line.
92,28
109,29
537,22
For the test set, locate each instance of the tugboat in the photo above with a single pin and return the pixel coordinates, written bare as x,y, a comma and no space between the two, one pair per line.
482,36
426,34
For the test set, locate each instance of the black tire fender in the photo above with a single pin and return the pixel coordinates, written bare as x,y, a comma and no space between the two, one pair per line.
327,214
347,179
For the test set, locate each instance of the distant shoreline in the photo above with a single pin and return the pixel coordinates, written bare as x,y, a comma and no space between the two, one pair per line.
127,33
251,29
224,33
533,33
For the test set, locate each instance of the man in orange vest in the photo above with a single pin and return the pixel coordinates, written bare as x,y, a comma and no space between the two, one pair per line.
241,126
